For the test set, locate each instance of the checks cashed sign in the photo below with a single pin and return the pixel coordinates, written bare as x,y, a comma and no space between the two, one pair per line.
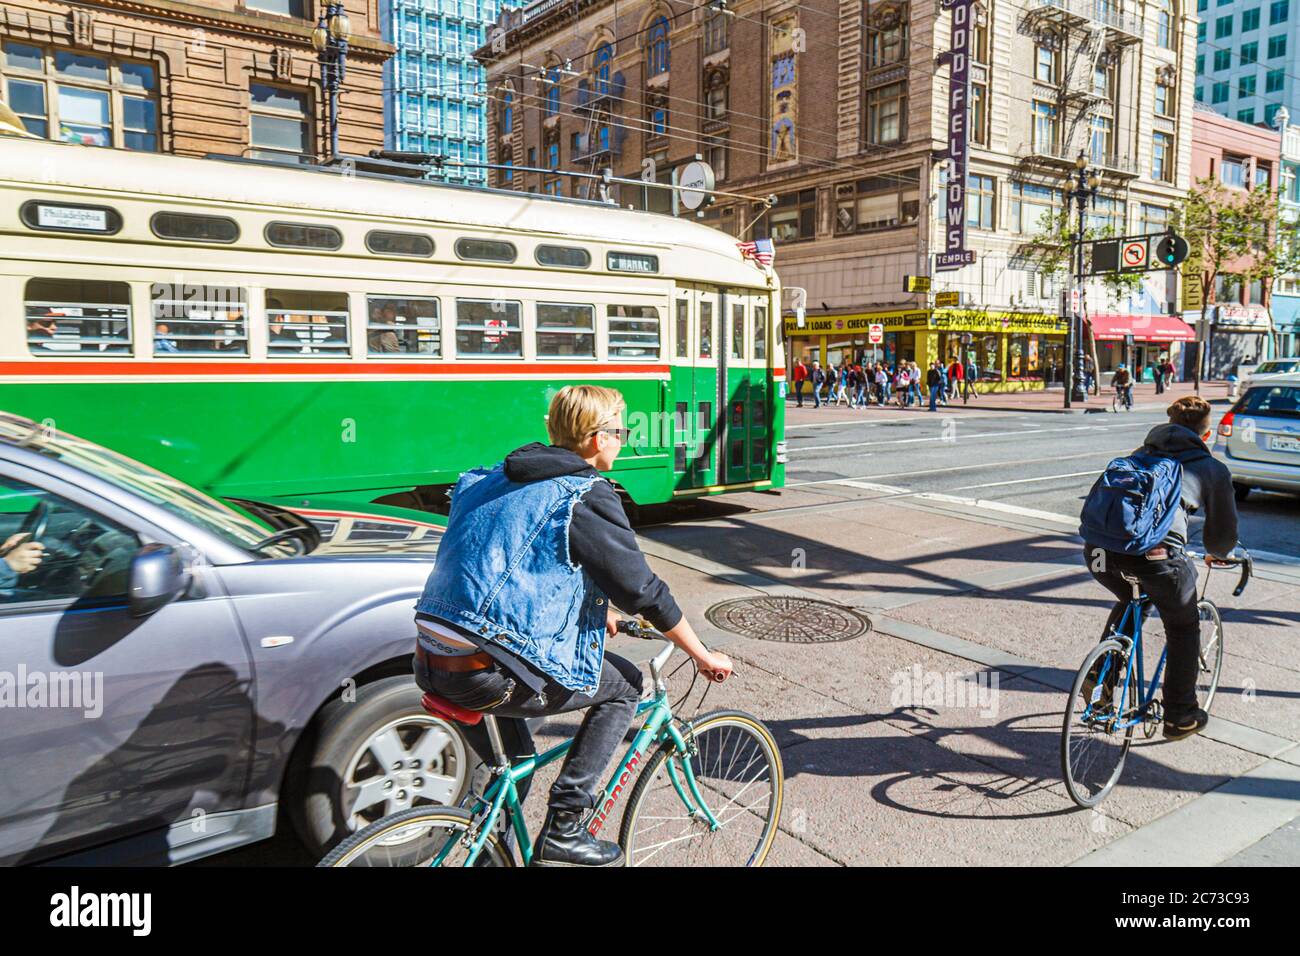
955,254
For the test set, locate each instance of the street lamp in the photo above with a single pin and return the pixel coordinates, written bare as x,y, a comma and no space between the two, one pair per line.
1082,190
330,41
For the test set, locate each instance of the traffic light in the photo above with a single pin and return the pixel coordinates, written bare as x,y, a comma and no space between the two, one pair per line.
1171,250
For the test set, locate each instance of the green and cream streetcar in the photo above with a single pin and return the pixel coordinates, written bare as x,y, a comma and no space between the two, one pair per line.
291,334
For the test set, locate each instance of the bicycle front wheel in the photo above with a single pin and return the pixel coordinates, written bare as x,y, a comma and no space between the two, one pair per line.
1092,748
737,768
1210,663
417,836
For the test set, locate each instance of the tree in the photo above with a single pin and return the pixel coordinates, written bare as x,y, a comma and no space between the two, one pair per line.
1213,220
1274,252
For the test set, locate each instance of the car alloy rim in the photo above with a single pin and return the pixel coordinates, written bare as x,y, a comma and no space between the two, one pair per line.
410,761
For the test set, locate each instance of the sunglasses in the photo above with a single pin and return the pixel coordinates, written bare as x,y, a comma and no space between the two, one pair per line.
619,433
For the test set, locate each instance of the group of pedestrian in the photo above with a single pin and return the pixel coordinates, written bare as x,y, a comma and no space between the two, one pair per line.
857,385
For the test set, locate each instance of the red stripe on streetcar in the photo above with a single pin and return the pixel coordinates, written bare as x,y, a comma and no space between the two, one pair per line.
412,369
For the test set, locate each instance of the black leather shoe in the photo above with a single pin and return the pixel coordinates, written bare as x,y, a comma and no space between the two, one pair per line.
564,841
1193,723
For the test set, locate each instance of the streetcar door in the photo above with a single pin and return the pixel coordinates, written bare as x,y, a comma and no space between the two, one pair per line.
759,408
683,387
734,368
707,414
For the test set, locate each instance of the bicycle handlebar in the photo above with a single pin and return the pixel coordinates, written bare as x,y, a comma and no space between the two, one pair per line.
1240,557
634,628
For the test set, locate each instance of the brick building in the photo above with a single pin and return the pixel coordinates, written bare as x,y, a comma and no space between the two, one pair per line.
837,108
1241,156
233,77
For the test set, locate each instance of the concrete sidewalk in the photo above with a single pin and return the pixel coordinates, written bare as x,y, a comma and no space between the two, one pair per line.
1047,401
893,757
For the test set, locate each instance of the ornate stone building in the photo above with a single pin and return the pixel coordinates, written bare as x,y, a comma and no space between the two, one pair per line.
223,76
840,110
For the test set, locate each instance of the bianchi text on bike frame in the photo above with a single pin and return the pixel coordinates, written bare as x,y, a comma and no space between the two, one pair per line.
955,254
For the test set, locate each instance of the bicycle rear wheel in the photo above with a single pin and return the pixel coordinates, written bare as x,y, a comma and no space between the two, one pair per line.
1092,750
417,836
737,767
1210,664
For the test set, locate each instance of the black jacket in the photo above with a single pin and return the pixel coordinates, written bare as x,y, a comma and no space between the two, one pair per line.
1207,487
600,538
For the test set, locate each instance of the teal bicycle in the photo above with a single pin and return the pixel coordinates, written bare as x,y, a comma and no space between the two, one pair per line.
1110,696
709,793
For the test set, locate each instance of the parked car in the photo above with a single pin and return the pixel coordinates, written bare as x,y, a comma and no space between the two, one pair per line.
180,674
1259,438
1277,366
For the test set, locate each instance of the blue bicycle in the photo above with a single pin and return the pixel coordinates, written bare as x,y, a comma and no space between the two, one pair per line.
1110,695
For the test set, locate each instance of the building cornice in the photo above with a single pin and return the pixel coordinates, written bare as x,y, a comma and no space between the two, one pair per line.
229,21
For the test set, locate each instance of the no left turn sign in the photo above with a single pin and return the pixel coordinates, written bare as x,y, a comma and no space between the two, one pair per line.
1134,254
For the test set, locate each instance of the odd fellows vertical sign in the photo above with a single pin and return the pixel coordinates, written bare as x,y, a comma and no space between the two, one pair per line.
955,254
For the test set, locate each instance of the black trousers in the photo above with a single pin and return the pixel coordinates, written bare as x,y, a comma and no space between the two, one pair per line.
1171,587
495,691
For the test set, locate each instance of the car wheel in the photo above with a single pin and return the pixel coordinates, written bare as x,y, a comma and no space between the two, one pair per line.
1242,492
374,756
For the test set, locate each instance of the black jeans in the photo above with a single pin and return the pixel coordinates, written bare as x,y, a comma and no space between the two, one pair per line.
1171,587
494,691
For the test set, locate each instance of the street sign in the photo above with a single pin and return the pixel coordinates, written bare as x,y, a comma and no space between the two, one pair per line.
943,300
875,333
1193,300
1074,300
1133,255
916,283
696,181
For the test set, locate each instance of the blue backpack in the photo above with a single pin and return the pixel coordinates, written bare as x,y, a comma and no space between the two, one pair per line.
1132,506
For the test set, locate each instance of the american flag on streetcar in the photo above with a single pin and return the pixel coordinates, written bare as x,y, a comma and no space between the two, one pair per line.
761,251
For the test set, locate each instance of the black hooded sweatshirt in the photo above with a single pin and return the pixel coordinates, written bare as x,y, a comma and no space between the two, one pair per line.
600,538
1207,487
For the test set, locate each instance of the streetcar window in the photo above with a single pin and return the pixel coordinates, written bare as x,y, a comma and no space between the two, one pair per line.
706,328
70,217
400,325
563,257
738,330
568,330
485,250
488,329
306,323
303,235
631,262
193,228
76,317
633,331
199,320
399,243
683,328
760,332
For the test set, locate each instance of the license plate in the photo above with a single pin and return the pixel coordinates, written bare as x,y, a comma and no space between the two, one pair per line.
1283,443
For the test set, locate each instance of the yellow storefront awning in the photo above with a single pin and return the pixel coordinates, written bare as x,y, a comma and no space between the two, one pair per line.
930,320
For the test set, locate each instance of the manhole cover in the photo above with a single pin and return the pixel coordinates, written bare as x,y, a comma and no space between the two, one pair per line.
791,620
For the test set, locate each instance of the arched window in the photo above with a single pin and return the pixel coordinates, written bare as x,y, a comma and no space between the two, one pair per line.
507,112
715,95
600,64
1165,25
552,91
657,47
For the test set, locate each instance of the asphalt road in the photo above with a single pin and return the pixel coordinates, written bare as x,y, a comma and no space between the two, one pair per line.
1027,460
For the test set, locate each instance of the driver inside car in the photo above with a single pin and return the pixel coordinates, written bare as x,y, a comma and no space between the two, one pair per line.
18,556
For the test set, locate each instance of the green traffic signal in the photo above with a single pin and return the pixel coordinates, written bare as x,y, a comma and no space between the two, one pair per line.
1171,250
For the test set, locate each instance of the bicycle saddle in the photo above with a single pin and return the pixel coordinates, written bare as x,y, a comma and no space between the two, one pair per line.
441,707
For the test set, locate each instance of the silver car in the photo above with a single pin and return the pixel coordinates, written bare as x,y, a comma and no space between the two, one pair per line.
1259,439
178,675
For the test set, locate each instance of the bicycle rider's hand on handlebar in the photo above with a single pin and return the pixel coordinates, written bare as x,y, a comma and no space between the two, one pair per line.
716,667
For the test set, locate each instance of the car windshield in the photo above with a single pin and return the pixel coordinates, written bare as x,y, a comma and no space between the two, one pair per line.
130,475
1278,367
1280,401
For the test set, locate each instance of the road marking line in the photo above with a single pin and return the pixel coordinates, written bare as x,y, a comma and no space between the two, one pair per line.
1000,506
953,439
1021,481
937,471
872,486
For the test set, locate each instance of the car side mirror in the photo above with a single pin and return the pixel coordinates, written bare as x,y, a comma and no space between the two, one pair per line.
157,578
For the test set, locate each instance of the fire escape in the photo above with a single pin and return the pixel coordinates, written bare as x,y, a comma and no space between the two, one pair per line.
601,141
1090,38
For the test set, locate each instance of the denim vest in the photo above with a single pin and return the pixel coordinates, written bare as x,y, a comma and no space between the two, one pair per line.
503,572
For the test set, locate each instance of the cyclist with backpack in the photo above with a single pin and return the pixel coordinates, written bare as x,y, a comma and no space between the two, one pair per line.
1134,522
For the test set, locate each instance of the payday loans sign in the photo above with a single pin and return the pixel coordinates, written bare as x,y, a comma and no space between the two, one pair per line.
955,254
